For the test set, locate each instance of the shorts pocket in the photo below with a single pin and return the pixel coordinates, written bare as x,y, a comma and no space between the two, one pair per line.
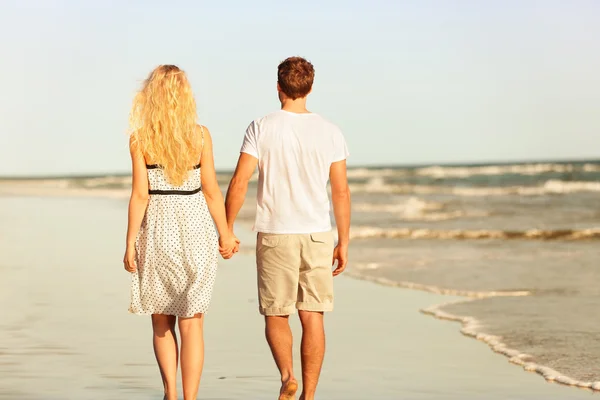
321,237
271,241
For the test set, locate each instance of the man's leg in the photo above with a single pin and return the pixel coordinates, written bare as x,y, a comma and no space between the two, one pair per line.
278,265
315,296
279,337
312,351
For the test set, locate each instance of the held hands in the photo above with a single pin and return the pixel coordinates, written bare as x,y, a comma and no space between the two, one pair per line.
229,244
129,259
340,253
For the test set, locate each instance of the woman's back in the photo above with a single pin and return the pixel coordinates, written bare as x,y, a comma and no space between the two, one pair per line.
176,245
159,181
172,244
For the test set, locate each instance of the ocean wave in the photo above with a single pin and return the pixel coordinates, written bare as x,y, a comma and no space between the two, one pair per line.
515,169
62,189
428,288
591,167
379,185
101,182
415,209
531,234
471,327
412,205
358,173
60,183
556,186
443,172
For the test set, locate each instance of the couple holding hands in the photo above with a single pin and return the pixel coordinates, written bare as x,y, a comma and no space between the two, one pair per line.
172,246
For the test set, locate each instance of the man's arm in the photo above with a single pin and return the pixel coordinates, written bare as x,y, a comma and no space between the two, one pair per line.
238,186
340,197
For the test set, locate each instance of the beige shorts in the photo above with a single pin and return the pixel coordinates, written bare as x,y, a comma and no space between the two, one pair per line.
294,272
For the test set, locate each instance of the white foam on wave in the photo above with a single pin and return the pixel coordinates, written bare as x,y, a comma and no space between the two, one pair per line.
367,232
368,266
591,167
59,190
494,170
379,185
113,181
16,184
415,209
555,186
412,205
443,172
358,173
429,288
472,327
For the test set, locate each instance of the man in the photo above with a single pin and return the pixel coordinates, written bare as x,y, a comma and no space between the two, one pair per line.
297,152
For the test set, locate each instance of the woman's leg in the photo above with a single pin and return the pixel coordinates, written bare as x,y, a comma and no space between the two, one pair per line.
165,350
192,354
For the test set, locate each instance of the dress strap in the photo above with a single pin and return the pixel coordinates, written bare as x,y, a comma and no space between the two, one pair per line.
202,133
201,148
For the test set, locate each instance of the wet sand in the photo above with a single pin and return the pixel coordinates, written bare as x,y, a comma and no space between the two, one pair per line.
65,332
551,323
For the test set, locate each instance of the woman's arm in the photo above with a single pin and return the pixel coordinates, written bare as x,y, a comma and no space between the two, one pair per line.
137,204
214,198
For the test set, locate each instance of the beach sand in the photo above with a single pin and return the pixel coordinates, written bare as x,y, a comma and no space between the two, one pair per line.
65,332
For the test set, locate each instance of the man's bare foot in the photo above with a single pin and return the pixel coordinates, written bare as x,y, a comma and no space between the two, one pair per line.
288,390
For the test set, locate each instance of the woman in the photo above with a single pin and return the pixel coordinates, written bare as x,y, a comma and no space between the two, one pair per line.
172,246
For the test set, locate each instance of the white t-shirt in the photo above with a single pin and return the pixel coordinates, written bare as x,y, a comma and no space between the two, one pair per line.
294,152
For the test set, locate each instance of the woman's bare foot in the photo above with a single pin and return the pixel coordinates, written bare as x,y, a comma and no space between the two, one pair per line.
288,390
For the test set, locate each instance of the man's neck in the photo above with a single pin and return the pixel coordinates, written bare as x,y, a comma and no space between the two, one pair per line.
297,106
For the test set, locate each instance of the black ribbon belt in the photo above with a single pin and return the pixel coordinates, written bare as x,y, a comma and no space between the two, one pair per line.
175,192
157,166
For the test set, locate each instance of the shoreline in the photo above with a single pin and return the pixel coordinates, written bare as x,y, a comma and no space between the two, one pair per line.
470,327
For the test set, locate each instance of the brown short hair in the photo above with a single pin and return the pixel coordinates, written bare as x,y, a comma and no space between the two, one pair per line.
295,76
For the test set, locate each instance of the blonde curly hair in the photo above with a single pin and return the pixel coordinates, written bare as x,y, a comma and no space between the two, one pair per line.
163,122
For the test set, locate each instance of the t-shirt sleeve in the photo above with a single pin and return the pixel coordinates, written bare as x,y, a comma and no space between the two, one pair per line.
340,148
250,145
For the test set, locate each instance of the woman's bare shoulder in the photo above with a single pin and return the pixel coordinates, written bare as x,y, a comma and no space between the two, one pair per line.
202,129
204,134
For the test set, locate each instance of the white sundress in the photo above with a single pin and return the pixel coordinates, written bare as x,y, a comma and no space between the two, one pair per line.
176,249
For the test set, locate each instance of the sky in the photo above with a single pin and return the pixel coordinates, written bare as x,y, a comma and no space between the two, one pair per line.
408,82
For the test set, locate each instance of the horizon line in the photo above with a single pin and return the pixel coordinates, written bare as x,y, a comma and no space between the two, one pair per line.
350,167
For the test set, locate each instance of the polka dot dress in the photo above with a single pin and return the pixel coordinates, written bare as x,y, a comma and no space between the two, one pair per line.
177,250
